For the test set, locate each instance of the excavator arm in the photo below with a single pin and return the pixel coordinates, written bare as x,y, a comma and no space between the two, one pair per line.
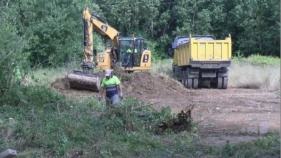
93,23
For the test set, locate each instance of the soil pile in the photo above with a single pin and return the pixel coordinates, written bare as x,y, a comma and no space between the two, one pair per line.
144,84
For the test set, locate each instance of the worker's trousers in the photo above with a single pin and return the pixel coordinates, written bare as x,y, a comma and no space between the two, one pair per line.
112,101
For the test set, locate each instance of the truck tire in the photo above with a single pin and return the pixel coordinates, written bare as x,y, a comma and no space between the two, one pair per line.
224,82
195,83
189,83
219,82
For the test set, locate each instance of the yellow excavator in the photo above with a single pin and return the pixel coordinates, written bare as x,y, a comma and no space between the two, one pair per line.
127,52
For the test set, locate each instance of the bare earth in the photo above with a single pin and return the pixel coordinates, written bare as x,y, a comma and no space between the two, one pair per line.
237,115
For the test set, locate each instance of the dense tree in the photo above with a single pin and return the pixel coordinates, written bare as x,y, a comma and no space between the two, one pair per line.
256,26
52,30
11,46
55,28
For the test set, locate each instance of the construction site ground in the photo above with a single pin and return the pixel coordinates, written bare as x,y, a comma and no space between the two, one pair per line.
234,114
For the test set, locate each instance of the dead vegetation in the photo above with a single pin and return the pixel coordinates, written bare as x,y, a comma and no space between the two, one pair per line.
254,76
183,122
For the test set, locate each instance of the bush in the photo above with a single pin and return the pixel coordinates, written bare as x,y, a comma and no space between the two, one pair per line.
263,60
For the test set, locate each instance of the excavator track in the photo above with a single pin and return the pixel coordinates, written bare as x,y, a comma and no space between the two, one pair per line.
82,81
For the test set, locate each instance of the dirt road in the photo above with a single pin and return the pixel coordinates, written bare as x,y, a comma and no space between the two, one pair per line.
233,114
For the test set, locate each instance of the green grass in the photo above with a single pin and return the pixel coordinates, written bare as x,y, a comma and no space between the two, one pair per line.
266,147
45,76
258,60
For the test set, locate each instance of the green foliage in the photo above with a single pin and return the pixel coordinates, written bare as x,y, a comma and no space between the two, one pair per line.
257,59
238,55
265,147
11,48
263,60
52,35
127,16
55,30
257,27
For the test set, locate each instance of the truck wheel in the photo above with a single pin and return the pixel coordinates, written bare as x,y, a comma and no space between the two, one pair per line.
189,83
219,82
224,83
195,83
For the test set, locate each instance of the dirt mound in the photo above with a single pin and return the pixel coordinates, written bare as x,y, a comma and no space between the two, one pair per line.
138,84
143,84
60,84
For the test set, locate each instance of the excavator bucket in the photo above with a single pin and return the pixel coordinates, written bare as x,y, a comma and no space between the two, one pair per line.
82,81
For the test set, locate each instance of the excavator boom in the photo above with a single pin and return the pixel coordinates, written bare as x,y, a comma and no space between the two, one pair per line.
93,23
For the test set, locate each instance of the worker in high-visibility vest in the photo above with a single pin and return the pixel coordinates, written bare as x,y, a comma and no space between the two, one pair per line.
17,74
129,54
112,86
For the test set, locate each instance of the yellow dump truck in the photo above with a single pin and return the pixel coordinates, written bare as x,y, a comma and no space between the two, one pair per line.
200,61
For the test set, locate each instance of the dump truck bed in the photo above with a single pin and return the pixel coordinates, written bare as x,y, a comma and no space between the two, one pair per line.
203,52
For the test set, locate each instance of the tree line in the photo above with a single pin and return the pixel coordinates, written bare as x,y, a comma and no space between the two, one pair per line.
50,32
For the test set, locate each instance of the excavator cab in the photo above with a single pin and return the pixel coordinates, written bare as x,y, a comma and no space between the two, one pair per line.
130,51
